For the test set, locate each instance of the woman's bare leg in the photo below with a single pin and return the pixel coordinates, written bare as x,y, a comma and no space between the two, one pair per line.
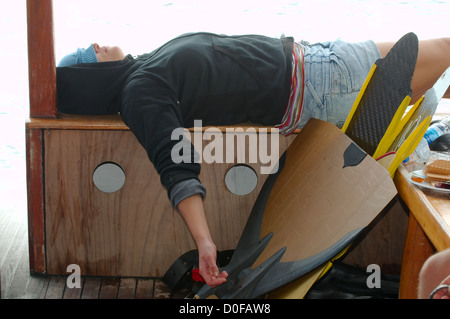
433,59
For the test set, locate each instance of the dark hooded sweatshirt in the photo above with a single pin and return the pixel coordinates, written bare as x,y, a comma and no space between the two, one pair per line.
221,80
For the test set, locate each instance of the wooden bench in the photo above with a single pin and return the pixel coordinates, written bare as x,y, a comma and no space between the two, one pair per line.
130,232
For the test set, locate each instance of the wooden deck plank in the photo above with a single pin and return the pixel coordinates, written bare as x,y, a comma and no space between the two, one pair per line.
55,288
37,287
8,230
110,288
161,290
127,288
18,260
11,260
72,293
91,288
145,289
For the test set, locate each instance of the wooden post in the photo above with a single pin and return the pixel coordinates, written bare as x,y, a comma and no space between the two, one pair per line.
35,191
42,90
41,59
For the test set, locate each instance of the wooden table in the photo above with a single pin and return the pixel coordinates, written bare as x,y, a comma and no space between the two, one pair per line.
428,228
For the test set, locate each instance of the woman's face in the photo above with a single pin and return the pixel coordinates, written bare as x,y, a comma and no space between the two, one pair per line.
107,54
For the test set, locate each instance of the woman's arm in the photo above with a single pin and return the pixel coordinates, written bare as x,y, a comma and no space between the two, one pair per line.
150,110
193,213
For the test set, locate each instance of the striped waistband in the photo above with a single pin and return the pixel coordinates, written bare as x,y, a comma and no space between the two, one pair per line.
293,111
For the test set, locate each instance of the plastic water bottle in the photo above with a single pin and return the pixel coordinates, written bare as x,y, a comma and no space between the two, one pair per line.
437,129
422,152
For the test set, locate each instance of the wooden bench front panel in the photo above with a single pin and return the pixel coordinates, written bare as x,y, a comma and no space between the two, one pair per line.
134,231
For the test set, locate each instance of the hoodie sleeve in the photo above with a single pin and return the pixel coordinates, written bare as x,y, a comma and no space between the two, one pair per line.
186,189
152,114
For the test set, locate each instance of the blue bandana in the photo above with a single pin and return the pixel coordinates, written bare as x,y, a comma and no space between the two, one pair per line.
80,56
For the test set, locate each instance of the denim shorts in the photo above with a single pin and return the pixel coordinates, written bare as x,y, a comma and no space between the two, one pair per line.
334,74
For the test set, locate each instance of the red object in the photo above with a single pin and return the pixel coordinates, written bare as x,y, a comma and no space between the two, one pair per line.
196,276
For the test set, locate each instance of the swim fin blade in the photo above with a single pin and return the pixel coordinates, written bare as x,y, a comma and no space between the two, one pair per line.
387,88
326,191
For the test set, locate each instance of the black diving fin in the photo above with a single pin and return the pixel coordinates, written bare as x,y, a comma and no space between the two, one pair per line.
306,213
385,95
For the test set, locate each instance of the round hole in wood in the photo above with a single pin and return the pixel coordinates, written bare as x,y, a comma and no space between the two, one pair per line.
241,180
109,177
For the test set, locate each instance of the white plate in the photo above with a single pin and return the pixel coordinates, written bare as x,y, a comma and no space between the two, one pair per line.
427,185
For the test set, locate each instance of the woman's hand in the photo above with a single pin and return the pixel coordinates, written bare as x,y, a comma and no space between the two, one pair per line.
192,211
208,265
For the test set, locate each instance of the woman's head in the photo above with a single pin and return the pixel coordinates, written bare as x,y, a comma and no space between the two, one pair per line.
93,54
107,54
